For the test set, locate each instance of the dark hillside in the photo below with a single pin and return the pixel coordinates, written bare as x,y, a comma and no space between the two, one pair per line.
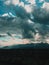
30,54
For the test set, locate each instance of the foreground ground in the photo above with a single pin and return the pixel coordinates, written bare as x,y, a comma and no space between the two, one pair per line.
23,56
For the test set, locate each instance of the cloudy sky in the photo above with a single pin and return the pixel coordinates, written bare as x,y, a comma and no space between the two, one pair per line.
30,15
6,6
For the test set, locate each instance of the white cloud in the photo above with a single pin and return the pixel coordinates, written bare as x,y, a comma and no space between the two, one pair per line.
37,36
11,14
41,0
7,2
32,17
46,6
8,14
21,4
29,21
15,2
28,8
32,1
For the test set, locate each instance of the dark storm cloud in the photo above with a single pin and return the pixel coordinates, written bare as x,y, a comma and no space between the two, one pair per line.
47,0
40,15
20,11
17,24
41,20
20,22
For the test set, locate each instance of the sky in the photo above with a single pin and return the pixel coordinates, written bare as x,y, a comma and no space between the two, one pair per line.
7,6
31,15
10,4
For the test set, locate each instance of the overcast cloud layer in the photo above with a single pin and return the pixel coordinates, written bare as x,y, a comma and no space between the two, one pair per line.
28,17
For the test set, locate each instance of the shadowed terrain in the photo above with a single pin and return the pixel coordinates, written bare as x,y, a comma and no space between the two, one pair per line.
30,54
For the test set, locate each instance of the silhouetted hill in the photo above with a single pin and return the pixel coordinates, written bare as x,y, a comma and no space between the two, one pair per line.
28,54
31,45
